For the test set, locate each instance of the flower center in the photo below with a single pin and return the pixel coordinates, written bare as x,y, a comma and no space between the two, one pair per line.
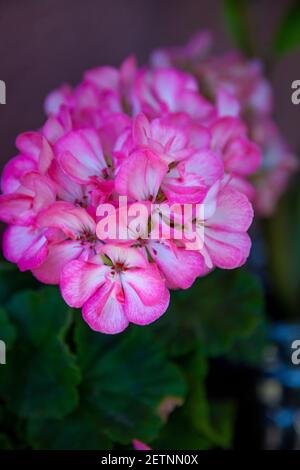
119,267
86,236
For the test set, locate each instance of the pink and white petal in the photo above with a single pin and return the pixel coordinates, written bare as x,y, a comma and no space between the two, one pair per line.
227,250
147,283
131,257
29,144
180,267
141,314
75,169
206,164
234,212
168,83
53,129
65,216
45,157
104,78
242,157
243,186
42,188
227,103
57,98
80,280
16,209
13,172
17,239
85,147
66,188
59,254
224,129
187,189
196,106
35,255
173,139
141,129
103,312
140,175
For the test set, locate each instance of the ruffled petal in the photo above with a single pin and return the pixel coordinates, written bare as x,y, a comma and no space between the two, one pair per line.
141,314
103,312
80,280
59,254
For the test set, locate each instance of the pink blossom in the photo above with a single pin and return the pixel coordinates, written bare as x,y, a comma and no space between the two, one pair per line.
222,231
279,162
162,91
150,137
77,239
126,288
238,88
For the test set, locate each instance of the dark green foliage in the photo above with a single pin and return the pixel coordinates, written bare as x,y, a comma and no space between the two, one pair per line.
66,387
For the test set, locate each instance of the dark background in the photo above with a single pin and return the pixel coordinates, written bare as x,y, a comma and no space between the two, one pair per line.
44,43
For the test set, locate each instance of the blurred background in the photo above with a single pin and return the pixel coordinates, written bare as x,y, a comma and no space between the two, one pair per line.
46,43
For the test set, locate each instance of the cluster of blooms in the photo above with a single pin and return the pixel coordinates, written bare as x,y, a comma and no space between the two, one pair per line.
147,134
238,87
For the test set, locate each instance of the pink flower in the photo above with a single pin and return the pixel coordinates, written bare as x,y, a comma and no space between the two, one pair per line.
162,91
81,156
76,239
222,230
24,242
161,155
150,137
240,77
241,157
35,155
238,88
279,163
116,289
34,193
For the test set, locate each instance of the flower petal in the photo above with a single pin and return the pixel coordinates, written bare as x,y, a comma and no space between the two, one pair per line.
59,254
103,312
139,313
180,267
80,280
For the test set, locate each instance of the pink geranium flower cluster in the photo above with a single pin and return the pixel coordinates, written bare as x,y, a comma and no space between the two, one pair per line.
238,87
147,134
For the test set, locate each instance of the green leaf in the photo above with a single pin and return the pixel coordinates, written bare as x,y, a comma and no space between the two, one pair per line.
41,377
215,312
125,379
7,330
80,430
205,424
249,350
288,34
12,280
236,16
39,315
